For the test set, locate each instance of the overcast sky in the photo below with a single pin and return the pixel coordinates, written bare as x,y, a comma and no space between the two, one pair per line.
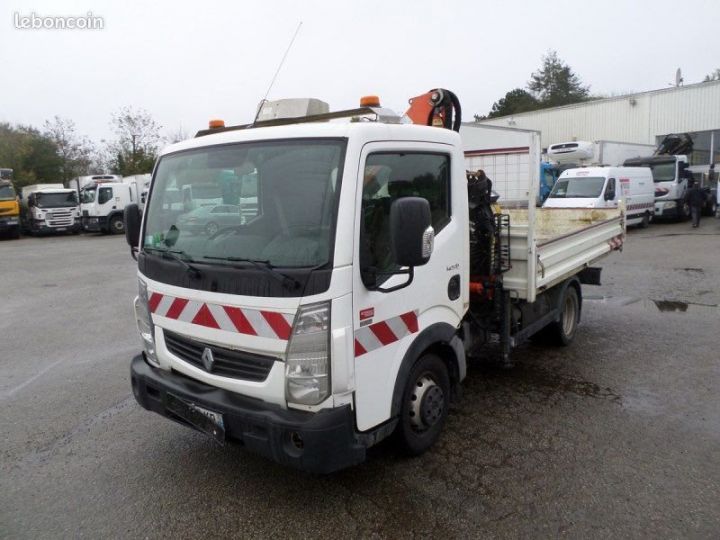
188,61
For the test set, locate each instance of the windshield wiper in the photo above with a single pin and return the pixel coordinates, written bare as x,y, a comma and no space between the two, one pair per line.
175,256
287,281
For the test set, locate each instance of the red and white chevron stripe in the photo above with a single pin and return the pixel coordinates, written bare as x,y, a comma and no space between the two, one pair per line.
261,323
616,242
380,334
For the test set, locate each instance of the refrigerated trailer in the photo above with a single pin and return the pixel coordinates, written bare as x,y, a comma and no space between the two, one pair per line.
346,309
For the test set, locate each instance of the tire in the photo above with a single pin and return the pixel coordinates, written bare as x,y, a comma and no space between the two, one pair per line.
117,225
425,405
562,332
15,233
645,223
211,228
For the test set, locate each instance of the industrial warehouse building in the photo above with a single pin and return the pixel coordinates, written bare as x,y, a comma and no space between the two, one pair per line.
644,118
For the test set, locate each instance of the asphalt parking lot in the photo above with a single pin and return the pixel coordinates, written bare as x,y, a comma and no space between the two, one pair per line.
616,435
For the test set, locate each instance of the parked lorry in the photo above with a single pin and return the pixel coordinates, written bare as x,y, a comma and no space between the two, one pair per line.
347,308
671,175
9,205
103,202
49,208
594,153
604,187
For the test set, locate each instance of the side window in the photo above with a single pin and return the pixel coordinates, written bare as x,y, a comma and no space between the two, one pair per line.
610,189
104,195
390,176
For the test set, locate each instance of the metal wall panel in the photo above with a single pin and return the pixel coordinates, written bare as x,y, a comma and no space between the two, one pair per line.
635,118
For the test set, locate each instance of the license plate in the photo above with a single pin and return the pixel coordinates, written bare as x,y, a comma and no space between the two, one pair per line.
209,422
61,229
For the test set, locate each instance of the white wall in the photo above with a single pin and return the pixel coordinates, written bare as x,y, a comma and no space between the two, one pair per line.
674,110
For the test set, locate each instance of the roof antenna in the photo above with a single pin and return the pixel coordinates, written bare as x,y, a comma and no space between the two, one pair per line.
272,82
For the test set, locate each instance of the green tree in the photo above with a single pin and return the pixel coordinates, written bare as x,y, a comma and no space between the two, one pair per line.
556,84
75,152
137,142
714,76
31,154
515,101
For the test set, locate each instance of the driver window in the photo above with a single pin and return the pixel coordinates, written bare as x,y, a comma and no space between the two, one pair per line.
390,176
104,195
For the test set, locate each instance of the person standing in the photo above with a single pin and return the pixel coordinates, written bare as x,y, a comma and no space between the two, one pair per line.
696,199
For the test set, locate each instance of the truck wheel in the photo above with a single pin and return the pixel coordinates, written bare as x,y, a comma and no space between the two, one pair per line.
426,400
645,223
562,332
15,233
117,225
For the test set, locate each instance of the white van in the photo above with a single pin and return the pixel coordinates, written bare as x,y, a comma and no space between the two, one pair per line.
605,187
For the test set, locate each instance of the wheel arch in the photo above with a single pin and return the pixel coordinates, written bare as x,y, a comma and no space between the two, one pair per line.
440,339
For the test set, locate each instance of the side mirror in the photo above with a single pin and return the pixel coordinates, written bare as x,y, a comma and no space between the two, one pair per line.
411,232
132,219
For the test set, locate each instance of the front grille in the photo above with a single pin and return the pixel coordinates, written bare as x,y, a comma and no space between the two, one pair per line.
59,218
228,362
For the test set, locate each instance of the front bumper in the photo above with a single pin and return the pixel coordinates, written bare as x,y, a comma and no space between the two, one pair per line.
43,227
94,224
329,442
667,209
9,223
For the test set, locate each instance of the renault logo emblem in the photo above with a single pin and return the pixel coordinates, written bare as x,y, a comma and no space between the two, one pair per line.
207,359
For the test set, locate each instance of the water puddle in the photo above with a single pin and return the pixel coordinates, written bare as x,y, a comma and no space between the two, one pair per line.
650,304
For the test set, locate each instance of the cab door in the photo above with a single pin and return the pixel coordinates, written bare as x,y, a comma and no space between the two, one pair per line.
386,323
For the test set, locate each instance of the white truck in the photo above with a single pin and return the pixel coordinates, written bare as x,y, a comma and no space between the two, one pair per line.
49,208
596,153
102,204
347,308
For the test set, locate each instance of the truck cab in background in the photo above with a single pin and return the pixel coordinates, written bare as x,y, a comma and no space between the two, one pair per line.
49,208
102,204
9,205
670,177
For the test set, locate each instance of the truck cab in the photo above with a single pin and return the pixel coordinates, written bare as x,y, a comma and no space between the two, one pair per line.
670,177
9,208
49,208
102,204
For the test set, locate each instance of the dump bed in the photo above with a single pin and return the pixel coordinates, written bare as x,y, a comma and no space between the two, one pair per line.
560,243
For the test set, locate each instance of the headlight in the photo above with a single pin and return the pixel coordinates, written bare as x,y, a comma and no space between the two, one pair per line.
670,204
144,322
307,370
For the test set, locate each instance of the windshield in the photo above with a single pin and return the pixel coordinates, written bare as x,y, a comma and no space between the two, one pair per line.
583,187
7,193
663,171
269,202
87,195
6,174
55,200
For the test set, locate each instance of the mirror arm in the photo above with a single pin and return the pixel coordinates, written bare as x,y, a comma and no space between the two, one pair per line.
410,273
134,252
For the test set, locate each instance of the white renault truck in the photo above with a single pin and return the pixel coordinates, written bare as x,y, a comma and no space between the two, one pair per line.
346,309
103,202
